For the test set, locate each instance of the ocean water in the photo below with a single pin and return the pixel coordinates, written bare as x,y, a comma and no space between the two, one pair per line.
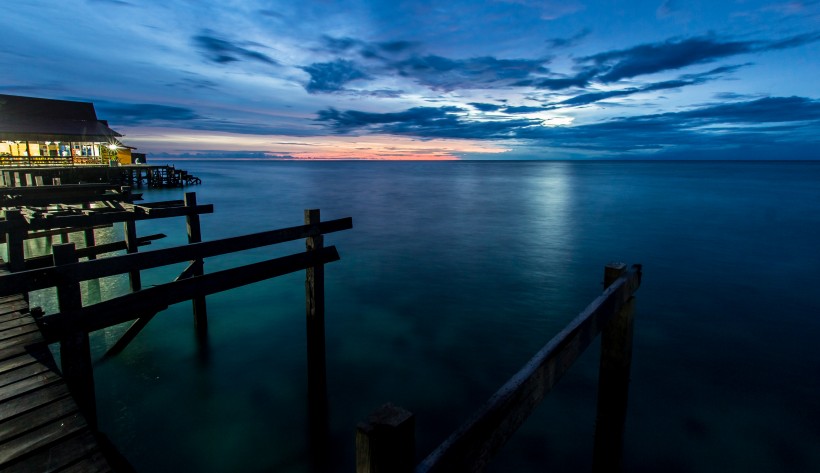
453,276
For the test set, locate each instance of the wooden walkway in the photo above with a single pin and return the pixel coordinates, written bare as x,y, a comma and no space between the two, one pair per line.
41,428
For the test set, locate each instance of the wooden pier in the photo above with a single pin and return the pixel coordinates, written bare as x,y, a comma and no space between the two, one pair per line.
31,212
135,175
41,426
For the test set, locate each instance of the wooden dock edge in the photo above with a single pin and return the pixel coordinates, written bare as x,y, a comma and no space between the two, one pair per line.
41,427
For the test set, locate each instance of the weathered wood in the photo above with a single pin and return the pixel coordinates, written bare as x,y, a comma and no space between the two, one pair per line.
195,236
131,246
315,321
34,399
88,235
41,437
134,305
49,277
75,349
15,253
471,447
613,382
102,218
385,442
40,262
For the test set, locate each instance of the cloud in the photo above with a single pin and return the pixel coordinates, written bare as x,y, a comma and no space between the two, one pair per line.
683,81
550,9
222,51
449,74
581,79
612,66
486,107
141,113
332,76
568,42
523,109
763,122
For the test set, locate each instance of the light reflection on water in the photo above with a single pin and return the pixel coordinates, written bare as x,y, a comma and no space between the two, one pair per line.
453,275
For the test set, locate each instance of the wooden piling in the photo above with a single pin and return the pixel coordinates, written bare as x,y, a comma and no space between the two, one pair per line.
75,349
195,236
15,254
131,246
385,442
315,312
613,382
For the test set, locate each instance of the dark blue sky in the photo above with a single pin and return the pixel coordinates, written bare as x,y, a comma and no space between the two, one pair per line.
502,79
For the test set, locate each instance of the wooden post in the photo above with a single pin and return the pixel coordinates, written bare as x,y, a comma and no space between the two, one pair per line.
385,442
315,305
613,382
131,247
316,361
195,236
75,349
88,234
15,254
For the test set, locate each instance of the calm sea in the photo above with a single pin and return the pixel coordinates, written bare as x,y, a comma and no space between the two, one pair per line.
453,276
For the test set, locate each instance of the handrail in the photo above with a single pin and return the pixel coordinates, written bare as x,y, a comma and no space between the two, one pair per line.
30,280
472,446
150,300
385,441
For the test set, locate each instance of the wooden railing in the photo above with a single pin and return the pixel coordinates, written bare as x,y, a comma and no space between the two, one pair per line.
51,160
385,441
72,324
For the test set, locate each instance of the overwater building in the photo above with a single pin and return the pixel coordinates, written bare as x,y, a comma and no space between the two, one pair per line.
45,132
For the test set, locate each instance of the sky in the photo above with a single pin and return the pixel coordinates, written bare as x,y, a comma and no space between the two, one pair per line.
454,79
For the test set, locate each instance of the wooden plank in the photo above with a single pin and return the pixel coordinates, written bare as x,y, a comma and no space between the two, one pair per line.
12,307
31,383
17,331
100,218
24,358
36,418
22,372
48,277
92,252
93,463
41,437
15,322
472,446
32,400
134,305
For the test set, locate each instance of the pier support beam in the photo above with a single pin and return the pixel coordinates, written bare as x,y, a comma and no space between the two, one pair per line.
316,361
75,349
195,236
613,381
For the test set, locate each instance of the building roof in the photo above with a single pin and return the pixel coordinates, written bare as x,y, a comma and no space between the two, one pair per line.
36,119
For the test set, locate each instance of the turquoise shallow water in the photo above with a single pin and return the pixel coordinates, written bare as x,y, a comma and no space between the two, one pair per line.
453,276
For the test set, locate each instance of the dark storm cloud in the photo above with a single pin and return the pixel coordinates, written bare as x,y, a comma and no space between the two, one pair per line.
140,113
650,58
222,51
332,76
